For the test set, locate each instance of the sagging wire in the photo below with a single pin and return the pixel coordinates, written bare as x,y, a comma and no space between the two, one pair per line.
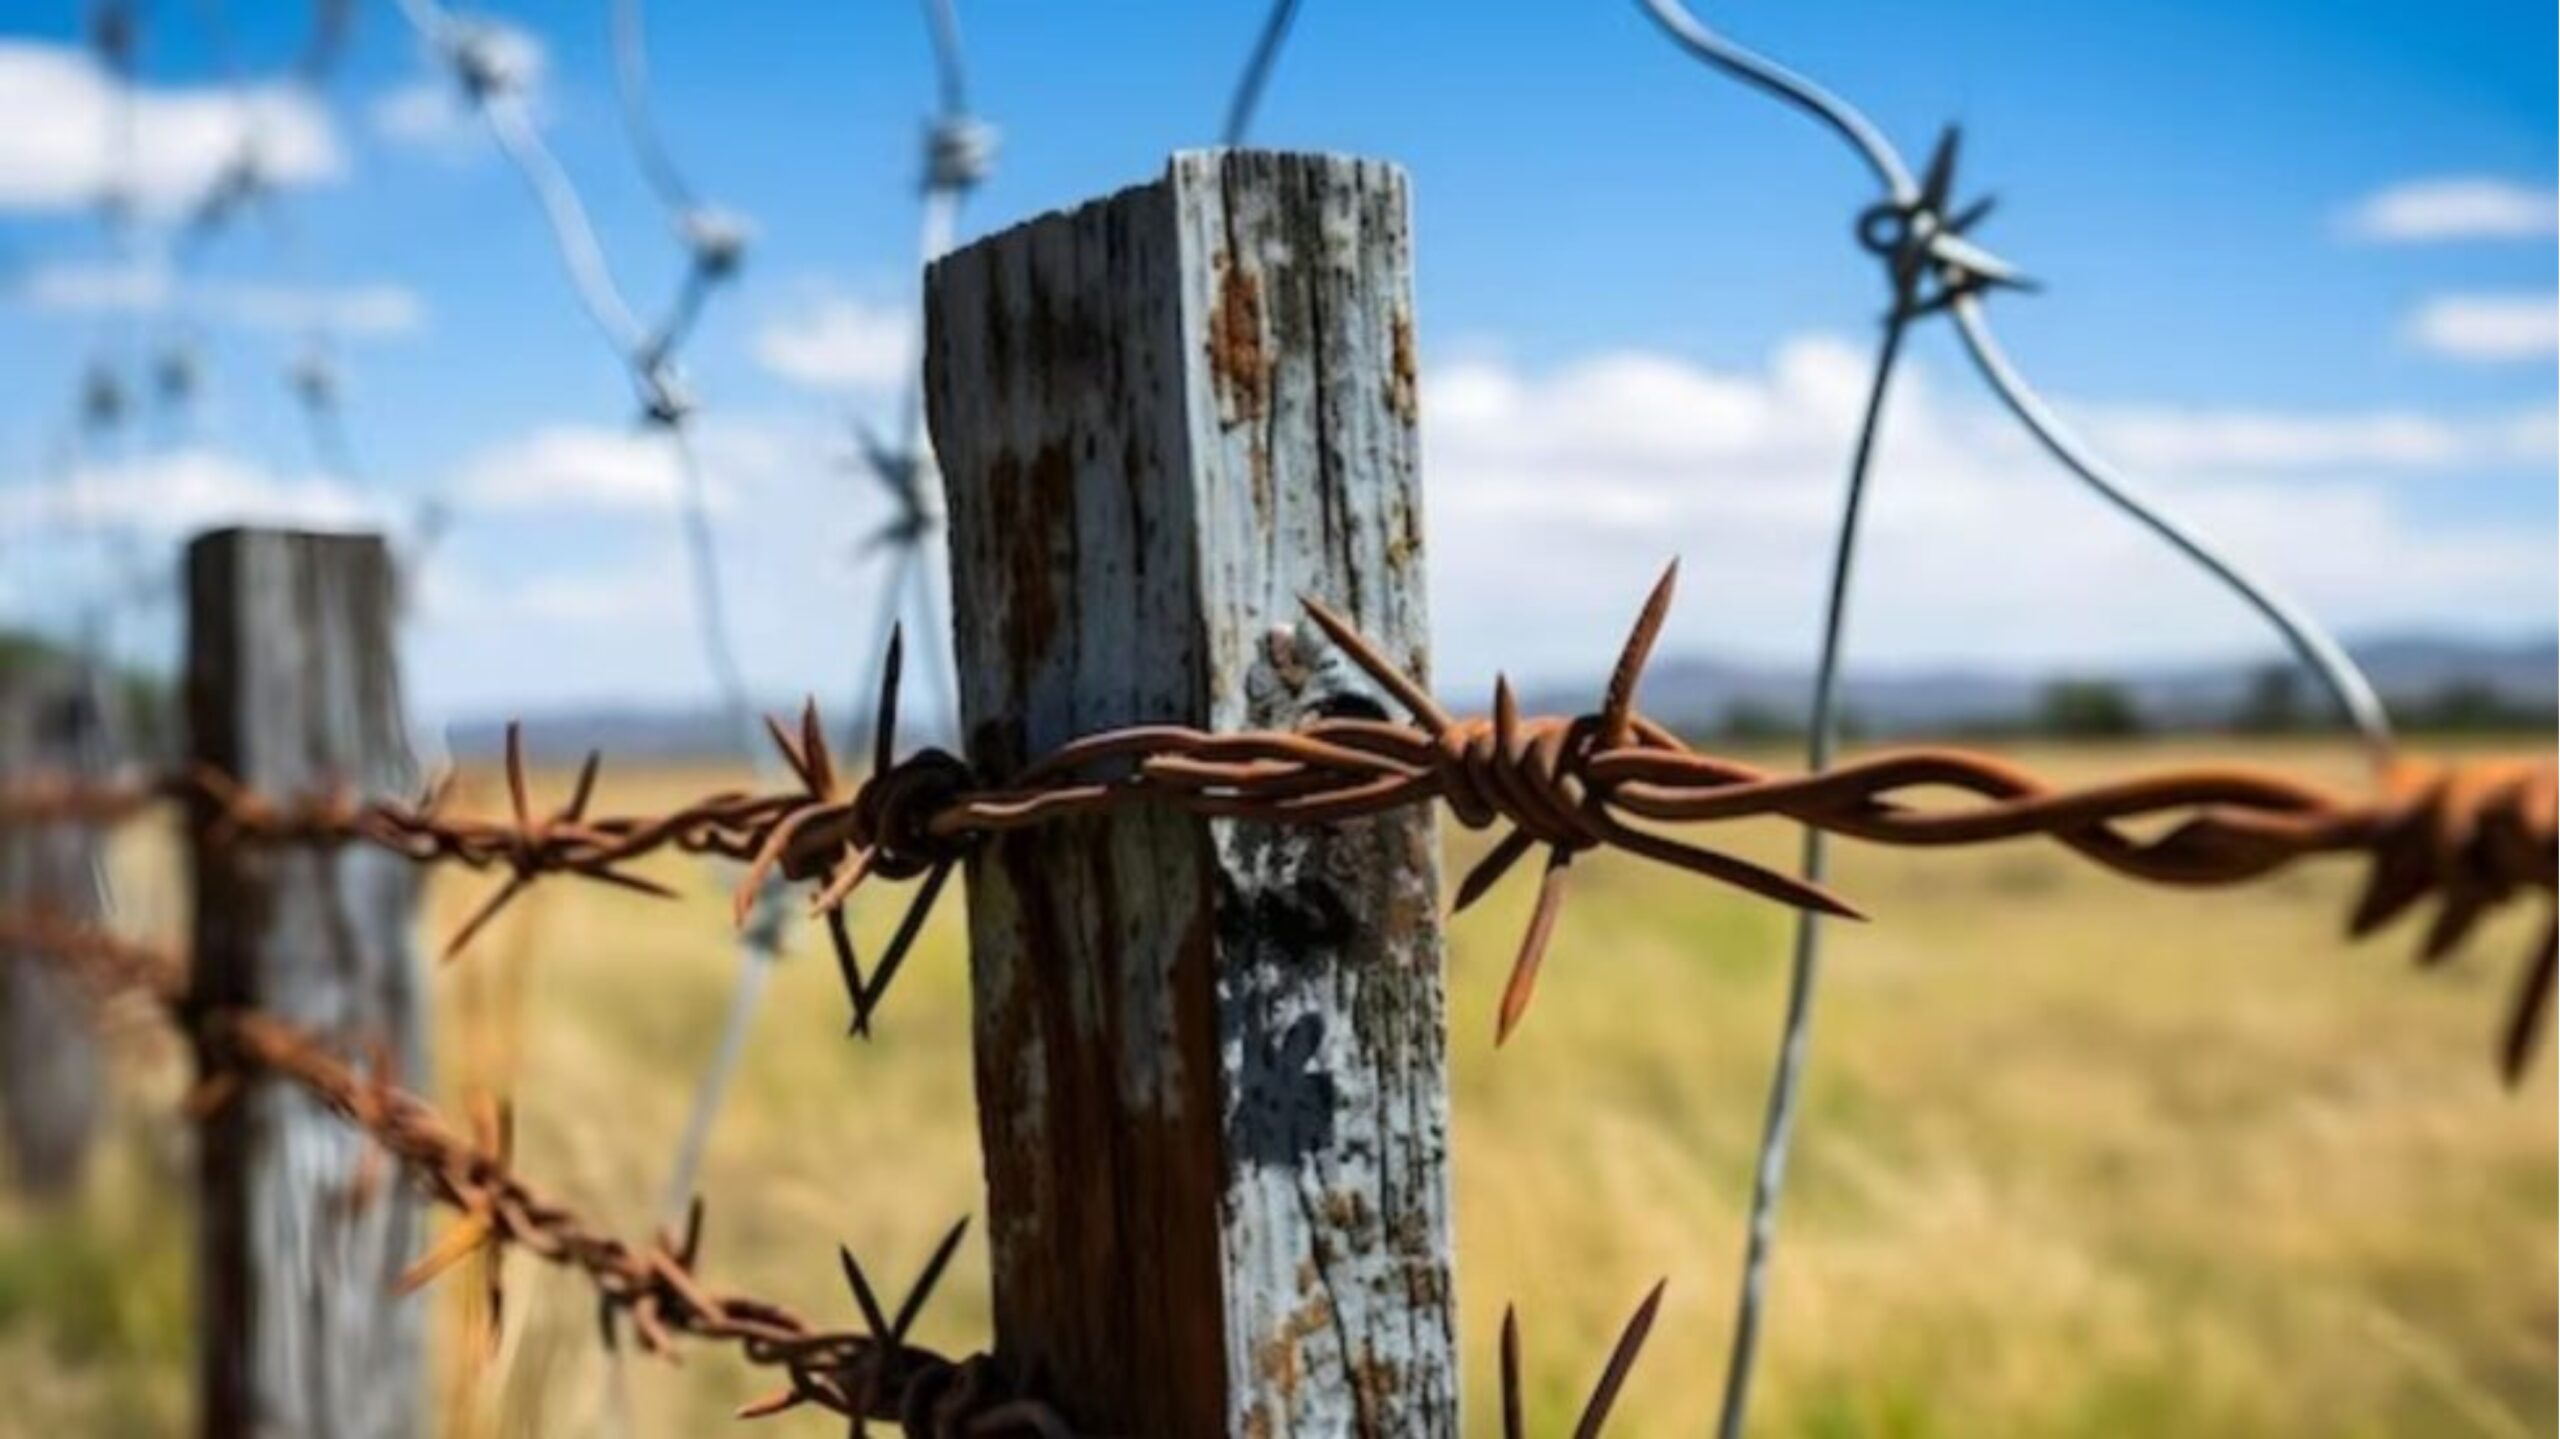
1257,71
314,379
493,76
959,153
1934,268
715,246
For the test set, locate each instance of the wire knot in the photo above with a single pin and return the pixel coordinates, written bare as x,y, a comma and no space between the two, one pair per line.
488,59
716,239
893,814
1922,241
959,153
1530,773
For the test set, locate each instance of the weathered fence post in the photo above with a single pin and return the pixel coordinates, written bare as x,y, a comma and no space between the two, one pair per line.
1210,1056
292,690
52,1083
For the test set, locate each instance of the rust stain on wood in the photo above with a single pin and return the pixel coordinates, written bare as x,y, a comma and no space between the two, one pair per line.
1404,384
1237,359
1240,365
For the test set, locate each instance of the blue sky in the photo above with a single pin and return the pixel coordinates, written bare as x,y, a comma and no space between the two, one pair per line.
2299,259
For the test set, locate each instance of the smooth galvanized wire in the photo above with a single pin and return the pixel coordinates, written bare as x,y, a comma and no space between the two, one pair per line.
2345,682
715,246
2347,685
1804,975
1257,70
2317,648
2474,838
959,151
648,352
639,121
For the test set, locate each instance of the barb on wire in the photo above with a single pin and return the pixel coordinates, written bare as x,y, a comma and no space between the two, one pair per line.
1968,271
2473,837
1933,266
491,72
959,153
715,240
1257,70
654,1292
1604,1393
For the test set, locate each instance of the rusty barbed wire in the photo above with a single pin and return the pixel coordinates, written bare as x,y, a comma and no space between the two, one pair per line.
1604,1392
653,1291
2472,837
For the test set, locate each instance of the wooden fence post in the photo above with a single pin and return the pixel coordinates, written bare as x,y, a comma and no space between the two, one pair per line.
1210,1056
292,689
52,1082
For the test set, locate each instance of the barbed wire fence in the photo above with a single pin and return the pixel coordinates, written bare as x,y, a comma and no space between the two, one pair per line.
489,68
2472,838
959,155
1921,233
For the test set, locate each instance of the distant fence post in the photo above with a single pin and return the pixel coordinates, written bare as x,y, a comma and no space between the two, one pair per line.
1210,1055
292,689
52,1083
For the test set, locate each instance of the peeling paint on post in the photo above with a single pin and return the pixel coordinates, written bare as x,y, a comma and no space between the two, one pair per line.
292,688
1210,1055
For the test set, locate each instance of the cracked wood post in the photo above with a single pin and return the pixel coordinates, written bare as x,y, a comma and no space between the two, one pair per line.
292,689
52,1082
1211,1056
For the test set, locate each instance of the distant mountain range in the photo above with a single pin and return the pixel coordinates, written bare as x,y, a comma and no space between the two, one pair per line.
2521,677
2410,671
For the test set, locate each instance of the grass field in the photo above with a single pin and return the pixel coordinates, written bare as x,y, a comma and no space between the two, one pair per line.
2079,1157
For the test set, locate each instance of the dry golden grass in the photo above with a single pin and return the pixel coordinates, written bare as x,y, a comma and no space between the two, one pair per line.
2079,1158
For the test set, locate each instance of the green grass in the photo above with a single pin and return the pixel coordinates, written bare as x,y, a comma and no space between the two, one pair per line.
2079,1157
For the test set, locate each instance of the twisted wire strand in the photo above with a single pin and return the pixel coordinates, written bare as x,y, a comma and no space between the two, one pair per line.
959,152
950,67
653,1292
715,247
2474,837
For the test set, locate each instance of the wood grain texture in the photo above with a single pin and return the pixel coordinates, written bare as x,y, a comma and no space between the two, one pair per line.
1210,1056
52,1080
292,687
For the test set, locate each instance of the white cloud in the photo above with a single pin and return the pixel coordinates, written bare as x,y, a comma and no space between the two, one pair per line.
374,309
60,115
2168,438
574,467
563,468
2455,207
836,342
2489,327
186,490
80,288
611,596
1551,495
